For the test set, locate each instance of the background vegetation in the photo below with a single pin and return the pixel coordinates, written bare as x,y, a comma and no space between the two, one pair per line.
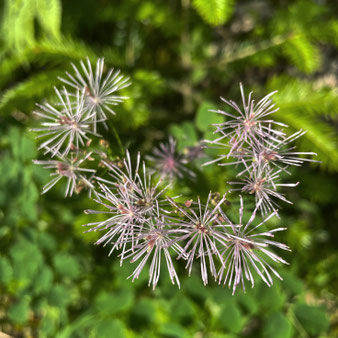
181,56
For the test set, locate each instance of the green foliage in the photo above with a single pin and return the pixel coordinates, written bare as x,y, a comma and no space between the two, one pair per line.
53,281
6,270
66,266
205,117
272,299
49,16
25,268
18,313
230,318
214,12
172,330
313,319
18,21
303,108
36,87
303,54
278,326
111,303
108,327
185,134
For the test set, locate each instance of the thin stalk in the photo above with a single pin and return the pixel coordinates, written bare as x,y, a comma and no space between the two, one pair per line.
117,137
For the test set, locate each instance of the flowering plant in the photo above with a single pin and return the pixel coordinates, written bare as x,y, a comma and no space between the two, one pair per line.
142,222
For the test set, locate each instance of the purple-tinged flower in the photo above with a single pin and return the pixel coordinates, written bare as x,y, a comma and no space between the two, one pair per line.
276,152
147,193
67,126
193,153
70,169
265,153
154,241
250,124
247,250
143,191
241,155
262,182
125,222
100,91
123,172
168,163
202,236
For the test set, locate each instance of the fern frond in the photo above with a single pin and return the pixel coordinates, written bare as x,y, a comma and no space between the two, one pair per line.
48,13
8,65
65,48
46,51
303,54
18,24
214,12
24,95
320,137
302,107
301,96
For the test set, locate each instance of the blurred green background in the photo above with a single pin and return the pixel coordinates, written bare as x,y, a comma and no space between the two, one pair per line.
181,56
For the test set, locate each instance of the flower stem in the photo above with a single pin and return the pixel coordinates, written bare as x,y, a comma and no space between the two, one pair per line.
117,137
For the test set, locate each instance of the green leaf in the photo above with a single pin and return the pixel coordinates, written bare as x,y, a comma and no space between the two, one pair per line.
230,318
18,313
270,298
46,241
59,296
194,287
66,266
185,135
49,322
6,270
143,312
205,117
248,302
182,309
15,141
313,318
43,281
214,12
114,302
172,330
27,259
110,328
28,148
277,326
292,283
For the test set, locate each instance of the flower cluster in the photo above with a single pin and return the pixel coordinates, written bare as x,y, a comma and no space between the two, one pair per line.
69,124
99,92
145,226
253,140
137,223
169,163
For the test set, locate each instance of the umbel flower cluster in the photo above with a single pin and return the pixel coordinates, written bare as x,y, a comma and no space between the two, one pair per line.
141,223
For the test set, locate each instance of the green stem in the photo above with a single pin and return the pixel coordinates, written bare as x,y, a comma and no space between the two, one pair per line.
117,137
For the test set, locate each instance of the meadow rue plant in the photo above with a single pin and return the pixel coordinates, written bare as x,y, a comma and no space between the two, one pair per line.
145,226
67,126
99,90
168,162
